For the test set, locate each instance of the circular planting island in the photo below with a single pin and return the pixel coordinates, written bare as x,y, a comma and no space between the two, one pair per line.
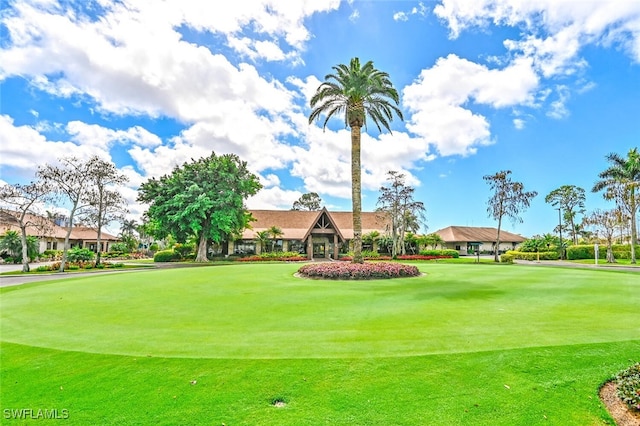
358,271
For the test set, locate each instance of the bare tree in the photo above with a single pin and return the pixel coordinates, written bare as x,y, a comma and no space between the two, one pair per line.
509,199
19,206
604,223
70,180
405,214
106,204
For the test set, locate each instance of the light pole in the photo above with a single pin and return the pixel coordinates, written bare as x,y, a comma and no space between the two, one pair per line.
560,231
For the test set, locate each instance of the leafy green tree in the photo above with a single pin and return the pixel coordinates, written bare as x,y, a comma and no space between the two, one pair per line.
620,181
20,207
570,199
357,92
508,199
204,198
310,201
11,242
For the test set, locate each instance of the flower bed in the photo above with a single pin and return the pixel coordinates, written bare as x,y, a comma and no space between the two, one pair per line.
401,257
272,258
358,271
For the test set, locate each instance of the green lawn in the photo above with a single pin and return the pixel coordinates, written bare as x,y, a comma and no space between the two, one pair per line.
464,344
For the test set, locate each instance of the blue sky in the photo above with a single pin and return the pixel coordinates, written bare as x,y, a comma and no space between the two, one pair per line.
545,89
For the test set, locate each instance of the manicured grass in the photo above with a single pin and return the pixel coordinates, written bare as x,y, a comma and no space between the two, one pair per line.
464,344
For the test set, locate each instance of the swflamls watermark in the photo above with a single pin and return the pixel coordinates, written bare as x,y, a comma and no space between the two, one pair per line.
35,414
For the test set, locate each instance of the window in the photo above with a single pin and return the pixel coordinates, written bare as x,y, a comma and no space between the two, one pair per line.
245,247
297,246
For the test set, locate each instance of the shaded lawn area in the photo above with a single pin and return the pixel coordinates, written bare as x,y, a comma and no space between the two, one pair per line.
464,344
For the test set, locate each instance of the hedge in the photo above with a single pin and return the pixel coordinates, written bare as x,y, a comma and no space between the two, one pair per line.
166,256
584,251
522,255
440,253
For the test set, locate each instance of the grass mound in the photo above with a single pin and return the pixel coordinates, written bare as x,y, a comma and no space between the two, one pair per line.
358,271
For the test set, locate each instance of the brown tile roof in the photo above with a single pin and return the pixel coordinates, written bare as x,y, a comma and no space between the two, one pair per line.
296,224
42,227
452,234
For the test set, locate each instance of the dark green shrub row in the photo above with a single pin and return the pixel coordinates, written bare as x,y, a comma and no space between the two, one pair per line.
628,384
166,256
445,252
521,255
620,251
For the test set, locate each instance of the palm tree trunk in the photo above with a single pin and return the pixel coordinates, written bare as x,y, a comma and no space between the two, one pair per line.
356,193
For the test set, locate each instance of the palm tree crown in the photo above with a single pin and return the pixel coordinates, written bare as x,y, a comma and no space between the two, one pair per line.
357,92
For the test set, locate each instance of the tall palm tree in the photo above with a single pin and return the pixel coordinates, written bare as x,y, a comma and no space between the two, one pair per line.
358,92
621,181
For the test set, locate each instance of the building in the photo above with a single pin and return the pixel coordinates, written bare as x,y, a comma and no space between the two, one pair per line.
51,236
316,234
469,239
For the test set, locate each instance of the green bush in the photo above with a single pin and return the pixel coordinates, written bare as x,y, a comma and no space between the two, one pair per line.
52,254
543,255
278,254
166,256
628,384
445,252
80,255
506,257
587,251
184,250
119,248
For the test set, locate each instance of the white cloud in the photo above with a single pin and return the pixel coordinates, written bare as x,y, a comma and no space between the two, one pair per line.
273,198
553,30
101,137
24,148
438,101
421,10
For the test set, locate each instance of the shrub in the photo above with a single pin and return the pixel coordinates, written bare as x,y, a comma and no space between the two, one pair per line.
166,256
506,257
288,256
358,271
119,248
587,251
543,255
445,252
628,384
52,254
184,250
80,255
